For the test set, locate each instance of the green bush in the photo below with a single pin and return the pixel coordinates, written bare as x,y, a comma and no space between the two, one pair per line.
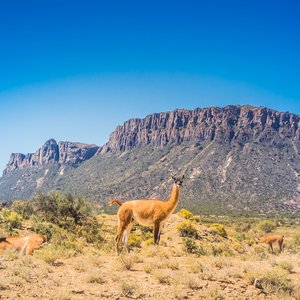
218,229
44,228
10,220
64,219
266,226
187,229
90,230
190,245
64,210
243,227
23,208
135,240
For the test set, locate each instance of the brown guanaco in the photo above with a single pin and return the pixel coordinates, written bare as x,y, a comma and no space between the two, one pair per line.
145,212
270,239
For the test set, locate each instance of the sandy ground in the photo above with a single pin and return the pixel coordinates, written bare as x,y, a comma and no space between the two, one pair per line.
150,272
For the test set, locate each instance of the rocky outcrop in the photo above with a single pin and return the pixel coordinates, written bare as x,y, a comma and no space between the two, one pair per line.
75,153
232,123
52,152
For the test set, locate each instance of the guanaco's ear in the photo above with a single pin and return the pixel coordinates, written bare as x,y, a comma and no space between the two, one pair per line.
173,177
182,177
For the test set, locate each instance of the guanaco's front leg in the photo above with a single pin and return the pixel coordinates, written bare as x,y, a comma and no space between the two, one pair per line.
156,233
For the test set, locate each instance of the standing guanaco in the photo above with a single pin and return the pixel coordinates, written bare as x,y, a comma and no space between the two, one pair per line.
145,212
270,239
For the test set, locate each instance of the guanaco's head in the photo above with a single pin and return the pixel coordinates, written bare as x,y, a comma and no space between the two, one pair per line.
178,180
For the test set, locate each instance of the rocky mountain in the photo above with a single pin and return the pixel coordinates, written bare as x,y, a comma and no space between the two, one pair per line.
236,159
52,152
239,124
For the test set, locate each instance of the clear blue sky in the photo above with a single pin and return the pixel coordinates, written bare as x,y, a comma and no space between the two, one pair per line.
73,70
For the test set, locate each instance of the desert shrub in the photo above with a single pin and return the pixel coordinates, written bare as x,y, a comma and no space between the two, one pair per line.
62,217
187,229
10,220
163,278
90,230
192,283
216,250
128,289
275,280
297,239
240,236
213,293
64,240
23,208
96,277
260,252
44,228
64,210
243,227
135,240
127,262
238,247
218,229
49,254
184,213
190,245
266,226
196,219
285,265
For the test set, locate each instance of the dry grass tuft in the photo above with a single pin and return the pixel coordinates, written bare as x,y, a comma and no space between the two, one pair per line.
96,277
128,289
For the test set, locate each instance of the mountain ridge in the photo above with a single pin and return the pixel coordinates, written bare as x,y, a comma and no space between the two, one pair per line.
236,159
52,152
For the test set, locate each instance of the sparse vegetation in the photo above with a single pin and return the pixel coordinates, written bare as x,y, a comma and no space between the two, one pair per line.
187,229
218,229
10,221
196,260
266,226
184,213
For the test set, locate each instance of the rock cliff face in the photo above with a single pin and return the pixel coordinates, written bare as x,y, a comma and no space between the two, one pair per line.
232,123
236,159
52,152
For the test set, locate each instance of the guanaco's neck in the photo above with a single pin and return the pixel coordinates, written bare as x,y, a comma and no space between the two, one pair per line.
174,198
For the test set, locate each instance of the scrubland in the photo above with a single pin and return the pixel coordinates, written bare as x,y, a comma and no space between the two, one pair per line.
199,257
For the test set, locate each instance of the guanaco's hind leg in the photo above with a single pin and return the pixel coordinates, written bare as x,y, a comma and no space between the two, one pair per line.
156,233
271,248
118,237
126,234
124,227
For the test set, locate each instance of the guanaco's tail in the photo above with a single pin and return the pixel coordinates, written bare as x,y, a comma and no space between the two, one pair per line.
111,202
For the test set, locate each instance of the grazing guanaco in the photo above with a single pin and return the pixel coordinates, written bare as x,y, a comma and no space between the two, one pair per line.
270,239
145,212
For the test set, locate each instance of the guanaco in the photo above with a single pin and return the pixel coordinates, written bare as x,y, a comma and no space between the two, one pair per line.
145,212
273,239
24,245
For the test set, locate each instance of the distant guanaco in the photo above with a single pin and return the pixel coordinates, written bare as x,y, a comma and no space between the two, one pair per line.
145,212
270,239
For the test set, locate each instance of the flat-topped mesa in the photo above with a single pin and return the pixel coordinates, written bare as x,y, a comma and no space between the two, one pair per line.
232,123
52,152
